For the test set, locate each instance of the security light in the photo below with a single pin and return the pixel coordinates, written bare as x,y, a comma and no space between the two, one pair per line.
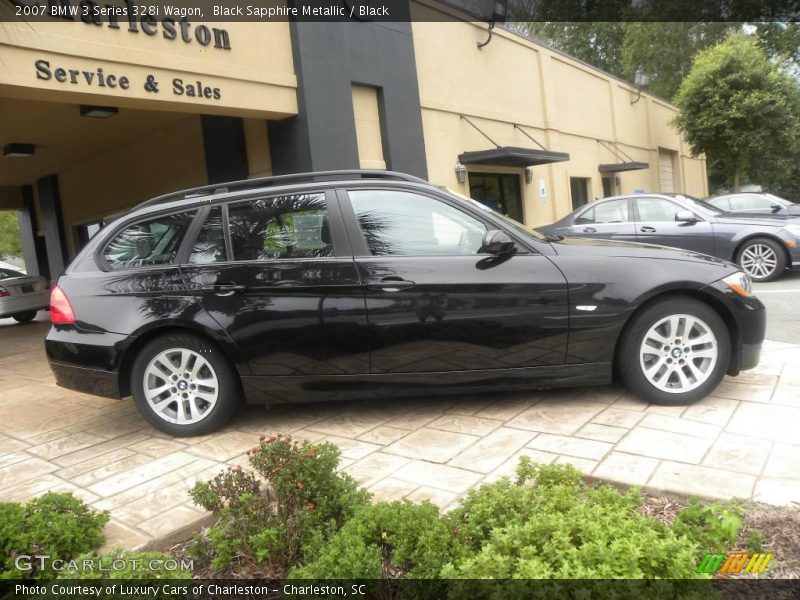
19,150
499,12
642,81
461,172
98,112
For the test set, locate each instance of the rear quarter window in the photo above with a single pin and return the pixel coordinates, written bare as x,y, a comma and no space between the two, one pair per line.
148,243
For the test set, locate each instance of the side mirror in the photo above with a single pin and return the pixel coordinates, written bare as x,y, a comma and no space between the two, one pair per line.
497,242
775,208
686,216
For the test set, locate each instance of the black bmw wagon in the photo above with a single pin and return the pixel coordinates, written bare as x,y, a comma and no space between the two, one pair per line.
356,284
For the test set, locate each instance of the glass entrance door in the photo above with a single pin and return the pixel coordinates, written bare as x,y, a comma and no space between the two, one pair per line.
499,191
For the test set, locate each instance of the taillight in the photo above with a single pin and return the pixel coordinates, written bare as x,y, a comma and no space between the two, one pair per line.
4,292
60,309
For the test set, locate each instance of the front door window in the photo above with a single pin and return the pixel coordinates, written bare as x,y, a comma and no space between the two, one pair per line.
499,192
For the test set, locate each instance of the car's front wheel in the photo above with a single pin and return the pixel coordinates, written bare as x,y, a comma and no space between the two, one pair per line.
762,258
674,351
184,386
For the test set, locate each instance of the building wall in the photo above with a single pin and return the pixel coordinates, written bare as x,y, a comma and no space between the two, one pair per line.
565,105
167,160
255,75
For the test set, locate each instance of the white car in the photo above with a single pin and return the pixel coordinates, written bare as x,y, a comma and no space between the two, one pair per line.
21,296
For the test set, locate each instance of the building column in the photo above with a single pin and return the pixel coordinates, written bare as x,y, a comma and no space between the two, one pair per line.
329,59
33,250
52,224
225,149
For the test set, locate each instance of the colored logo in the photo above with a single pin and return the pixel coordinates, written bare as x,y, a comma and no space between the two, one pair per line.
735,562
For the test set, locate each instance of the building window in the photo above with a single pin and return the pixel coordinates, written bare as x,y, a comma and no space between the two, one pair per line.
579,190
499,192
367,115
86,232
609,187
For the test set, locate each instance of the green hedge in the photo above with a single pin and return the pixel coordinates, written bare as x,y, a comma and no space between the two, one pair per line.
296,516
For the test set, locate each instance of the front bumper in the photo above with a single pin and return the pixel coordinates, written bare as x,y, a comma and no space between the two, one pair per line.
748,327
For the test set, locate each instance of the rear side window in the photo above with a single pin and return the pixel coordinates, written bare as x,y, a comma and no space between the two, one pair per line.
749,202
210,244
152,242
294,226
613,211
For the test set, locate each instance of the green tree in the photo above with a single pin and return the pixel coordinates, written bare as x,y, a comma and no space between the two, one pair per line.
599,44
10,244
663,50
741,110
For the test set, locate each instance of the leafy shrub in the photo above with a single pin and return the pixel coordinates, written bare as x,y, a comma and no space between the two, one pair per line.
714,527
547,525
381,541
58,525
270,521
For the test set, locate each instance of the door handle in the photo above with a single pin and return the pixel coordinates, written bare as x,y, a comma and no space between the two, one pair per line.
589,230
226,288
391,284
647,229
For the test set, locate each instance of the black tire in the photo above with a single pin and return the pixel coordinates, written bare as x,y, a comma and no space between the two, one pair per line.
229,387
25,317
629,363
780,258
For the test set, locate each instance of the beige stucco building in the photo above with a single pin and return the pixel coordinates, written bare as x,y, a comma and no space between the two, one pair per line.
96,117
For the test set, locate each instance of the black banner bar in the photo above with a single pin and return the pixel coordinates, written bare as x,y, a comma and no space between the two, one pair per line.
148,14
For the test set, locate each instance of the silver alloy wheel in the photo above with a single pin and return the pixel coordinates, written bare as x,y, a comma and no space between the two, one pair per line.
180,386
678,353
759,260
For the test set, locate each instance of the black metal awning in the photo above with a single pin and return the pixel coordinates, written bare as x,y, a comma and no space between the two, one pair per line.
509,156
623,166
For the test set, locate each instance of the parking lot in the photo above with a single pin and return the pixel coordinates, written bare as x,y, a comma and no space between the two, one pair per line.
782,299
739,442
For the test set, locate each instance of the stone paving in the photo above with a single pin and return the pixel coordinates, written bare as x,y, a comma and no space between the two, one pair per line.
742,441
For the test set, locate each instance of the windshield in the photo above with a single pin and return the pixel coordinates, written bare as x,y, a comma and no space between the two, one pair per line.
778,200
516,225
700,206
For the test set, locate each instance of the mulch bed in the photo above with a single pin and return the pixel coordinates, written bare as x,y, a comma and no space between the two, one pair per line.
778,526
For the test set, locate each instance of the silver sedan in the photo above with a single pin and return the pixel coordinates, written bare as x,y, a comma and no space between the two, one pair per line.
21,296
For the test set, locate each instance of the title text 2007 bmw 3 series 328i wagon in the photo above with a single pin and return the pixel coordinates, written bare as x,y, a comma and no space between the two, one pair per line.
356,284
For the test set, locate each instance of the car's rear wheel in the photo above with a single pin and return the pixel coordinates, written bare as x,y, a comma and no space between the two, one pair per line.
674,351
762,258
184,386
25,317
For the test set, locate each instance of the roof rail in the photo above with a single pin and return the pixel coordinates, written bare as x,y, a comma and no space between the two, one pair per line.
279,180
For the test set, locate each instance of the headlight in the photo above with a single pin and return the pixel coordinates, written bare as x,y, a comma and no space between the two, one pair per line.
740,283
794,230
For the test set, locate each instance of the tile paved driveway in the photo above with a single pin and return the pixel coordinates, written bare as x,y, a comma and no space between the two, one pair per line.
743,441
